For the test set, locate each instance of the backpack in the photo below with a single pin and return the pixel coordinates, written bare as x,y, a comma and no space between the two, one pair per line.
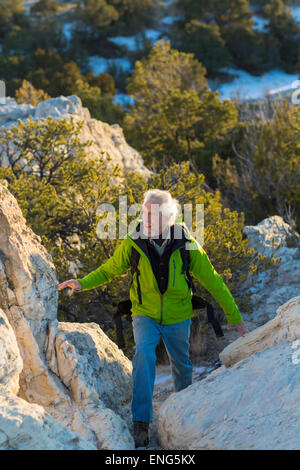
124,307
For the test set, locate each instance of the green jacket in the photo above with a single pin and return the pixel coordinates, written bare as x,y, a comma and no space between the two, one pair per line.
175,304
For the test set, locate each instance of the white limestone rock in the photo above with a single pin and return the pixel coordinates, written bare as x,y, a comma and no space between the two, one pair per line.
253,405
11,362
92,367
284,327
108,139
25,426
278,284
73,371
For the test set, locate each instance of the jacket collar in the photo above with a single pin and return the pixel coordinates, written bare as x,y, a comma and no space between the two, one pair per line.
174,243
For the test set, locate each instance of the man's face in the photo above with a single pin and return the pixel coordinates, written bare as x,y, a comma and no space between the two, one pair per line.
153,220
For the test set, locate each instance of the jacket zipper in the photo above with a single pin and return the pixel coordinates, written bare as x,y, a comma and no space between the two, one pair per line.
138,285
174,272
161,308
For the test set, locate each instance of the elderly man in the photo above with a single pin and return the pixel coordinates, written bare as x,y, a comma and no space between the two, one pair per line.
161,298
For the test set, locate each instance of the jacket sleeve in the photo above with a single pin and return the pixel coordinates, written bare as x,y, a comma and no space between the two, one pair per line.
203,270
116,265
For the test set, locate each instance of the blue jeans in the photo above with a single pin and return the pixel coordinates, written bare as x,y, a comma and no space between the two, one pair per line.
147,333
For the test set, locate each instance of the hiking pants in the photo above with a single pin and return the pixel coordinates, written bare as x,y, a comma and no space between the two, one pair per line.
147,333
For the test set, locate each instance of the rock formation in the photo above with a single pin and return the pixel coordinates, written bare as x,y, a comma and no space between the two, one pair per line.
280,283
284,327
68,386
73,371
108,139
24,425
252,405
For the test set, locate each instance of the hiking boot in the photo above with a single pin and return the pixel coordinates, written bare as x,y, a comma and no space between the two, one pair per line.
140,433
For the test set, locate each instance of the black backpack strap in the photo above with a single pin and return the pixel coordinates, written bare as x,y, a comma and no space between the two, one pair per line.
123,308
213,320
134,261
185,255
197,301
119,327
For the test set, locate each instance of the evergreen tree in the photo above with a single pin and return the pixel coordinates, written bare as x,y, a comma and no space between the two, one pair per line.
11,12
286,31
30,95
264,176
205,42
175,116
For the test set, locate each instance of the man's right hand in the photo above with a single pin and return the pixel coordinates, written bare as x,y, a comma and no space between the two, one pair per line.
72,283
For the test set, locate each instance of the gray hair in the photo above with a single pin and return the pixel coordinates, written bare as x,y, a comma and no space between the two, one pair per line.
170,206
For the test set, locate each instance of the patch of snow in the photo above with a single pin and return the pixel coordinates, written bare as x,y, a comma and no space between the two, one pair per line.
164,377
29,4
133,42
67,30
101,64
248,86
152,34
123,99
260,23
296,13
170,19
129,41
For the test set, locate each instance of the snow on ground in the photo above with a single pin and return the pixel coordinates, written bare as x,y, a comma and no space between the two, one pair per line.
245,85
123,99
248,86
100,64
29,4
296,13
171,19
152,34
260,23
165,375
67,30
133,42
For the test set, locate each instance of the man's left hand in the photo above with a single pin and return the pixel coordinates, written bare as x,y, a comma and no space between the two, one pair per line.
240,327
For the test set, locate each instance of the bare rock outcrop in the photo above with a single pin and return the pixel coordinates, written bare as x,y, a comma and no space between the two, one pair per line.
69,370
254,404
11,363
275,286
284,327
25,426
108,139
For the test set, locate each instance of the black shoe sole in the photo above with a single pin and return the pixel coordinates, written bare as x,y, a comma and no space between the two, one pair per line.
139,444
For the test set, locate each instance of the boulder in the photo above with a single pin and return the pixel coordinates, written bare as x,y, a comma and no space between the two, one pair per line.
74,371
278,284
108,140
11,363
25,426
93,368
253,405
284,327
